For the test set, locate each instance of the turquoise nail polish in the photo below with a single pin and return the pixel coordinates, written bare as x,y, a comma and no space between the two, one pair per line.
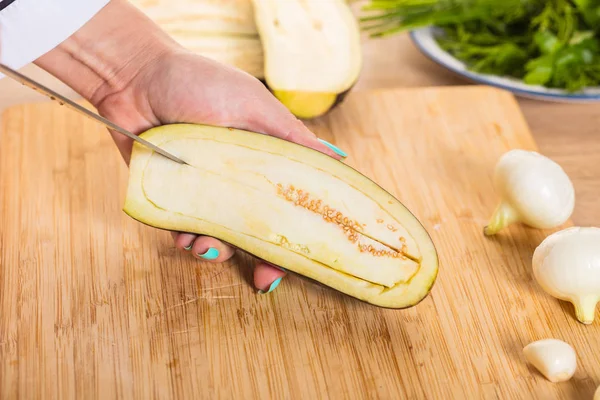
333,147
188,248
273,286
210,254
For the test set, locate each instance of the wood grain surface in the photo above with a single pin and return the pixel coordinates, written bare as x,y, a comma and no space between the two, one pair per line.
95,305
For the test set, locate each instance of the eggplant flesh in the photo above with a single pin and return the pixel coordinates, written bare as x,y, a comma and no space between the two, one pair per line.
312,52
287,204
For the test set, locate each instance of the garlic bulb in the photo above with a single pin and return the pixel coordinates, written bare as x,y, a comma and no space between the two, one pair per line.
555,359
534,190
567,266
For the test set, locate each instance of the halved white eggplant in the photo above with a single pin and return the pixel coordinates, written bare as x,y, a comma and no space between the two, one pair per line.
312,52
287,204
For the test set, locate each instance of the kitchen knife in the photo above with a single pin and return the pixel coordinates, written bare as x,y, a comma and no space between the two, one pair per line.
64,101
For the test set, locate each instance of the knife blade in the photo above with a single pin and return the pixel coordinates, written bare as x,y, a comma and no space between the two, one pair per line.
32,84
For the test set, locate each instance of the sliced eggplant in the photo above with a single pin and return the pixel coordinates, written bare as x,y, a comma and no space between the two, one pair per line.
287,204
243,53
312,52
181,16
222,30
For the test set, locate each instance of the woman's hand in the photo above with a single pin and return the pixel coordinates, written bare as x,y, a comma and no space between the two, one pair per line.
182,87
138,78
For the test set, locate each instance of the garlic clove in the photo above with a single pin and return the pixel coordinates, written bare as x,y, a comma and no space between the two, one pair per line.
534,190
555,359
567,266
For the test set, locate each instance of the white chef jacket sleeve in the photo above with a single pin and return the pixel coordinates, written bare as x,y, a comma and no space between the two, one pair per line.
31,28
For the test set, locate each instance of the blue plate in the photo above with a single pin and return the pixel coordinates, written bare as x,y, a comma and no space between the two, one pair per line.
424,39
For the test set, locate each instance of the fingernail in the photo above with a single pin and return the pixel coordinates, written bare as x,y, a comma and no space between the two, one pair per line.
188,248
333,147
272,287
210,254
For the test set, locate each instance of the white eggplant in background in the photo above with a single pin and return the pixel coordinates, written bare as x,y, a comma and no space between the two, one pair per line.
312,52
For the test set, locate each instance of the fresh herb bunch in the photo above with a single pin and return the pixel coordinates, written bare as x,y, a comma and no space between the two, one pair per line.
553,43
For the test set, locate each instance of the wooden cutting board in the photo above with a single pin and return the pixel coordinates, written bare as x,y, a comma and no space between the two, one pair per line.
95,305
